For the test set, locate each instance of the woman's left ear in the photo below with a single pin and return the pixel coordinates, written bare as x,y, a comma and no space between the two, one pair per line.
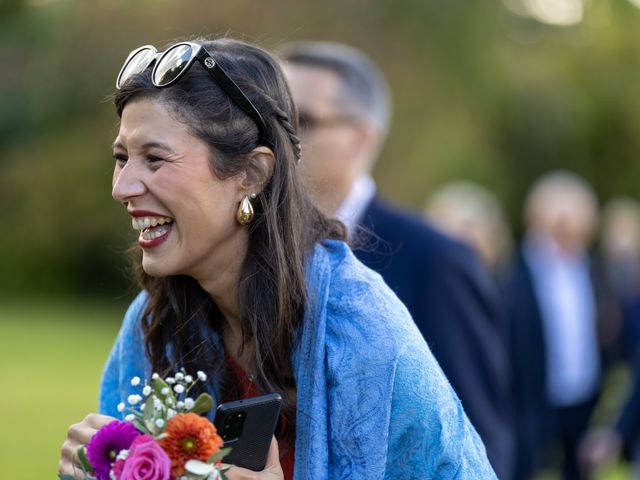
259,169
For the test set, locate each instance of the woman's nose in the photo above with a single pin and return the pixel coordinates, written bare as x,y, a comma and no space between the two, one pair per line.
128,183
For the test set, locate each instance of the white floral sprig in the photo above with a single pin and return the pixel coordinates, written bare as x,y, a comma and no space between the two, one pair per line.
162,399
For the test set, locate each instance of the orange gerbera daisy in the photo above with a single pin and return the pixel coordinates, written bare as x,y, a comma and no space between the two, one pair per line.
189,436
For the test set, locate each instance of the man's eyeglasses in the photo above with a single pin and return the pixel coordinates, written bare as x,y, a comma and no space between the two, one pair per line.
171,64
307,121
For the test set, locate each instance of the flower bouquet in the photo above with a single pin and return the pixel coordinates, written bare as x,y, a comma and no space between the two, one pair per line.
163,436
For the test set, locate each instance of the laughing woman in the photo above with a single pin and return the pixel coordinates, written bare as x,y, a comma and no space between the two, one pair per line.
242,277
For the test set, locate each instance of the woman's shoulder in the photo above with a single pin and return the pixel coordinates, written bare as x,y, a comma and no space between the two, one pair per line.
360,306
138,304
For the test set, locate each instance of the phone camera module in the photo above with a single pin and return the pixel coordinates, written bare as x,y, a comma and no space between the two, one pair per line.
233,425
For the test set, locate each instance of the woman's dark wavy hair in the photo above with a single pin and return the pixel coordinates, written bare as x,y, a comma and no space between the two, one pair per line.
272,286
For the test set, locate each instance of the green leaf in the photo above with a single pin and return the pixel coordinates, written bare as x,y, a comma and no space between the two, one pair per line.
148,408
158,385
219,455
152,428
141,425
203,404
84,461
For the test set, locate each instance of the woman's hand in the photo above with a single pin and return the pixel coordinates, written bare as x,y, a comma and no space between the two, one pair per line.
79,434
272,469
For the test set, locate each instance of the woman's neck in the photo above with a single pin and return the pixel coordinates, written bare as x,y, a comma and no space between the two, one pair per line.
220,275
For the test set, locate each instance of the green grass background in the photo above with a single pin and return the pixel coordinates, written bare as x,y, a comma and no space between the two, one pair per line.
51,358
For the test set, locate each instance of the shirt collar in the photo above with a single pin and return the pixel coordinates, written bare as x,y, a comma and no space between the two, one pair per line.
357,201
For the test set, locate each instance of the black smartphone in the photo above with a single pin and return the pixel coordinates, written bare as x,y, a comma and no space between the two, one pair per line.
247,427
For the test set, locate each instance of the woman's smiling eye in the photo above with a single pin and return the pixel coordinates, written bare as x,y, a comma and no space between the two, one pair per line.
154,158
120,158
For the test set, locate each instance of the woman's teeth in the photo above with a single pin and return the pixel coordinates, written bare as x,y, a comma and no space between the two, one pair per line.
142,223
151,233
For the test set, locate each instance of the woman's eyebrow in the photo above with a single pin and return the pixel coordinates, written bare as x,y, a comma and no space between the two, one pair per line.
160,145
146,146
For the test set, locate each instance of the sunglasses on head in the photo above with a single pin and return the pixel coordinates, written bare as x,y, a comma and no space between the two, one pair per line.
171,65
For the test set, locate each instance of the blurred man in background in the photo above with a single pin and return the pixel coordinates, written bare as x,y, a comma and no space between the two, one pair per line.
472,213
620,254
344,110
557,327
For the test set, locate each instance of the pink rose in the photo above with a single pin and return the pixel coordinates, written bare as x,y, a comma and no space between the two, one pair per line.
146,461
117,468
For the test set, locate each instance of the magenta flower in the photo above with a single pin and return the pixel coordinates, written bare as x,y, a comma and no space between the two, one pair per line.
107,443
146,461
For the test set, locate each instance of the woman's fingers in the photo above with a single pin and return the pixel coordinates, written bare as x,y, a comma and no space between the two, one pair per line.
97,420
272,469
273,459
79,434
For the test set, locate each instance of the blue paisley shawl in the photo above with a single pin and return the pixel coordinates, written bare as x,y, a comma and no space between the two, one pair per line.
372,402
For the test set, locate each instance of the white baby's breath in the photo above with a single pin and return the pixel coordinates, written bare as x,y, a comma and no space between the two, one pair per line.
178,389
135,381
134,399
146,391
155,376
165,391
130,417
159,423
170,380
188,378
189,403
180,405
179,376
121,407
202,376
171,413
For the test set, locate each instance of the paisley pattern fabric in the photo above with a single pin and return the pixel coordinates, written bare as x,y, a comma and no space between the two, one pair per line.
372,401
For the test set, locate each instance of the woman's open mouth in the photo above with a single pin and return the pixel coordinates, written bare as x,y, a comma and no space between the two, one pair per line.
153,230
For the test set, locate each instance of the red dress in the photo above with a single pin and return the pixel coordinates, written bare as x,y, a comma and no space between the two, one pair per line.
248,389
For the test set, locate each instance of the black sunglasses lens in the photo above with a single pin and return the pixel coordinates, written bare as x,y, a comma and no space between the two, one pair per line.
171,65
136,64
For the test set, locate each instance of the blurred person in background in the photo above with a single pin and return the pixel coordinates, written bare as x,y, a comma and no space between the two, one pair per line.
473,214
553,296
607,444
344,109
620,245
620,256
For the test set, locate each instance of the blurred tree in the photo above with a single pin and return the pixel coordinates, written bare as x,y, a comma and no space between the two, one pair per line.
479,93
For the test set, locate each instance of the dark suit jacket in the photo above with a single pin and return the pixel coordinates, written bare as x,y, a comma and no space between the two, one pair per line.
533,415
628,424
456,306
535,418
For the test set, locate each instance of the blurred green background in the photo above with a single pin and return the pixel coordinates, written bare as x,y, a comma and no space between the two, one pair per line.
493,91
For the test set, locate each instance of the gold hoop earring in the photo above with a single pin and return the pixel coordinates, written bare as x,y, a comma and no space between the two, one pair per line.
245,210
